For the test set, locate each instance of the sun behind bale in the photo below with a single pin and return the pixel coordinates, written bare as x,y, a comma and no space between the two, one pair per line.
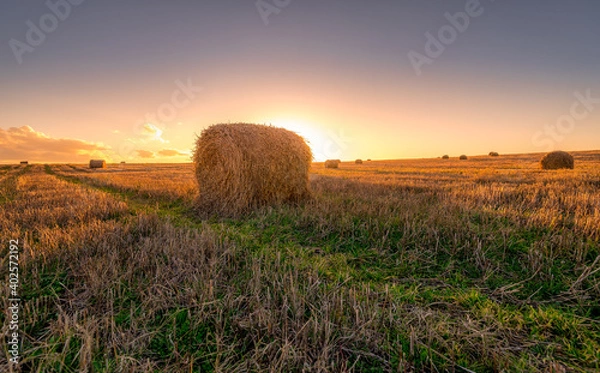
557,160
332,163
242,166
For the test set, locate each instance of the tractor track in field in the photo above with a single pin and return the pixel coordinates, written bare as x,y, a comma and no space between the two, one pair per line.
9,181
177,211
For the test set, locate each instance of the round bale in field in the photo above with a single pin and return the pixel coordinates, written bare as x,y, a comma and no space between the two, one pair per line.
97,163
494,154
332,163
358,161
445,156
243,166
557,160
463,157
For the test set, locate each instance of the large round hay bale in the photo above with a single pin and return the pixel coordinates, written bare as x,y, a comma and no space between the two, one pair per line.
494,154
97,163
463,157
557,160
445,156
358,161
332,163
242,166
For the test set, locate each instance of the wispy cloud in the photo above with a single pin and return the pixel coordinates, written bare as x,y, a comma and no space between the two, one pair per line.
172,153
145,153
151,132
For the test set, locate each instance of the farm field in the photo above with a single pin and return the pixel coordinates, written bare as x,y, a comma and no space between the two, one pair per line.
432,265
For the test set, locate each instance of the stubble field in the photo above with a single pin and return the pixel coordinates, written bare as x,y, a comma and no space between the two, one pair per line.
484,265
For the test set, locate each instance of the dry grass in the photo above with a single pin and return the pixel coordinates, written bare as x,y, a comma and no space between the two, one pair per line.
240,167
414,266
156,181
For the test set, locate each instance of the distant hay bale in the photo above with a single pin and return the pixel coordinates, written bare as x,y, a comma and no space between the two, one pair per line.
242,166
463,157
445,156
332,163
97,163
369,160
358,161
557,160
494,154
24,162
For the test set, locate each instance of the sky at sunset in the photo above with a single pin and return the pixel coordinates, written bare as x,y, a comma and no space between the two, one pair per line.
136,81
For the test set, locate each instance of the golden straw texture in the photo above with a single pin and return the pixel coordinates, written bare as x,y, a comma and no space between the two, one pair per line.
243,166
